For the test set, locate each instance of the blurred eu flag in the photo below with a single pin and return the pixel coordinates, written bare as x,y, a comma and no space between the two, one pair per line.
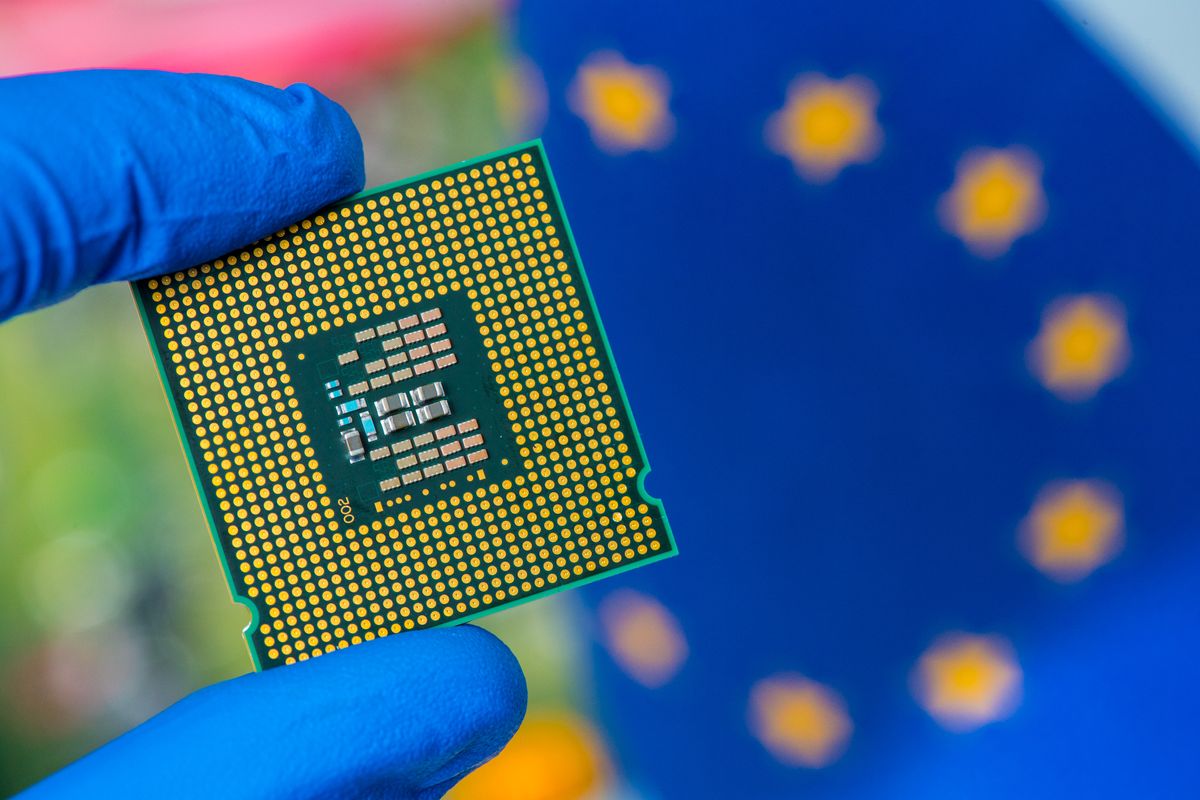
904,299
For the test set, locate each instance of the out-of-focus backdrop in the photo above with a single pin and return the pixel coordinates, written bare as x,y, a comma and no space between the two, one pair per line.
112,603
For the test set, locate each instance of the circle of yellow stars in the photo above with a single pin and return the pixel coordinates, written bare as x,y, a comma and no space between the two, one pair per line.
962,680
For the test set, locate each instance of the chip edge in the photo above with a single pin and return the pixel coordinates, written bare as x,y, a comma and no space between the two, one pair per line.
197,479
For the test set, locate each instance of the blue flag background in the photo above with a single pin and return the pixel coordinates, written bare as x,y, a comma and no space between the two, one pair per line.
903,298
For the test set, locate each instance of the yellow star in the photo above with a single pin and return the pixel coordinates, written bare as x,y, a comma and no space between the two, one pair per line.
1073,528
643,637
801,722
551,757
996,197
625,105
826,124
1081,346
965,681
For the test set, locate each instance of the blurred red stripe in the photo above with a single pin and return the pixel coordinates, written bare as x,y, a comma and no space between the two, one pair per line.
272,41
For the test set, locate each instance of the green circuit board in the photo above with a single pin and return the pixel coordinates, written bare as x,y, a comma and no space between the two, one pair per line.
403,412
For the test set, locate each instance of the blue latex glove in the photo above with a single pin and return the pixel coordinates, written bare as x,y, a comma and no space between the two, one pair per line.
118,175
114,175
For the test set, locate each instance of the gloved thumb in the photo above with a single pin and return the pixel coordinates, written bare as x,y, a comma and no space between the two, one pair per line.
401,717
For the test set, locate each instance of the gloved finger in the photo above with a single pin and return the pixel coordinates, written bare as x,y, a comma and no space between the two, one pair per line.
400,717
115,175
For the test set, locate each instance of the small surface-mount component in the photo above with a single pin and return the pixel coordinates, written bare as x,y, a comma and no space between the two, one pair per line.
431,315
402,446
421,351
412,337
444,433
380,381
410,477
426,456
447,361
358,388
389,485
347,358
380,453
396,359
352,439
386,329
379,365
472,441
352,405
424,394
466,426
458,462
440,346
368,424
364,335
393,344
434,331
477,456
391,404
433,469
423,367
407,462
333,384
397,422
410,322
423,439
402,375
344,421
335,394
449,448
433,411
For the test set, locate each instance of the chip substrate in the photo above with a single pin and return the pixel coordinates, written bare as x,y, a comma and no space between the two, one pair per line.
403,412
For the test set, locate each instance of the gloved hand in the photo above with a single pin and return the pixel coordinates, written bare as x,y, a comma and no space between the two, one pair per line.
119,175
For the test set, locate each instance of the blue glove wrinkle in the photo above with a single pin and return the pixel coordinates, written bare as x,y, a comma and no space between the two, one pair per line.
401,718
116,175
26,237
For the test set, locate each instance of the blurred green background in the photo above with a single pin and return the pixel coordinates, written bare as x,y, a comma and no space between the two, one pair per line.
112,600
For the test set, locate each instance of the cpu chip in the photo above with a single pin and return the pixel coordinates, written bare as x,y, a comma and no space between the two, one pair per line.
402,412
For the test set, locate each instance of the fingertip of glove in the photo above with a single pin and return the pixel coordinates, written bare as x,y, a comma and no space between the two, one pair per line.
490,691
156,172
459,692
501,677
332,135
483,674
465,672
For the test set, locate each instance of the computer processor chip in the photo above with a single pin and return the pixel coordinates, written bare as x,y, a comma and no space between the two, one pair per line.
403,412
